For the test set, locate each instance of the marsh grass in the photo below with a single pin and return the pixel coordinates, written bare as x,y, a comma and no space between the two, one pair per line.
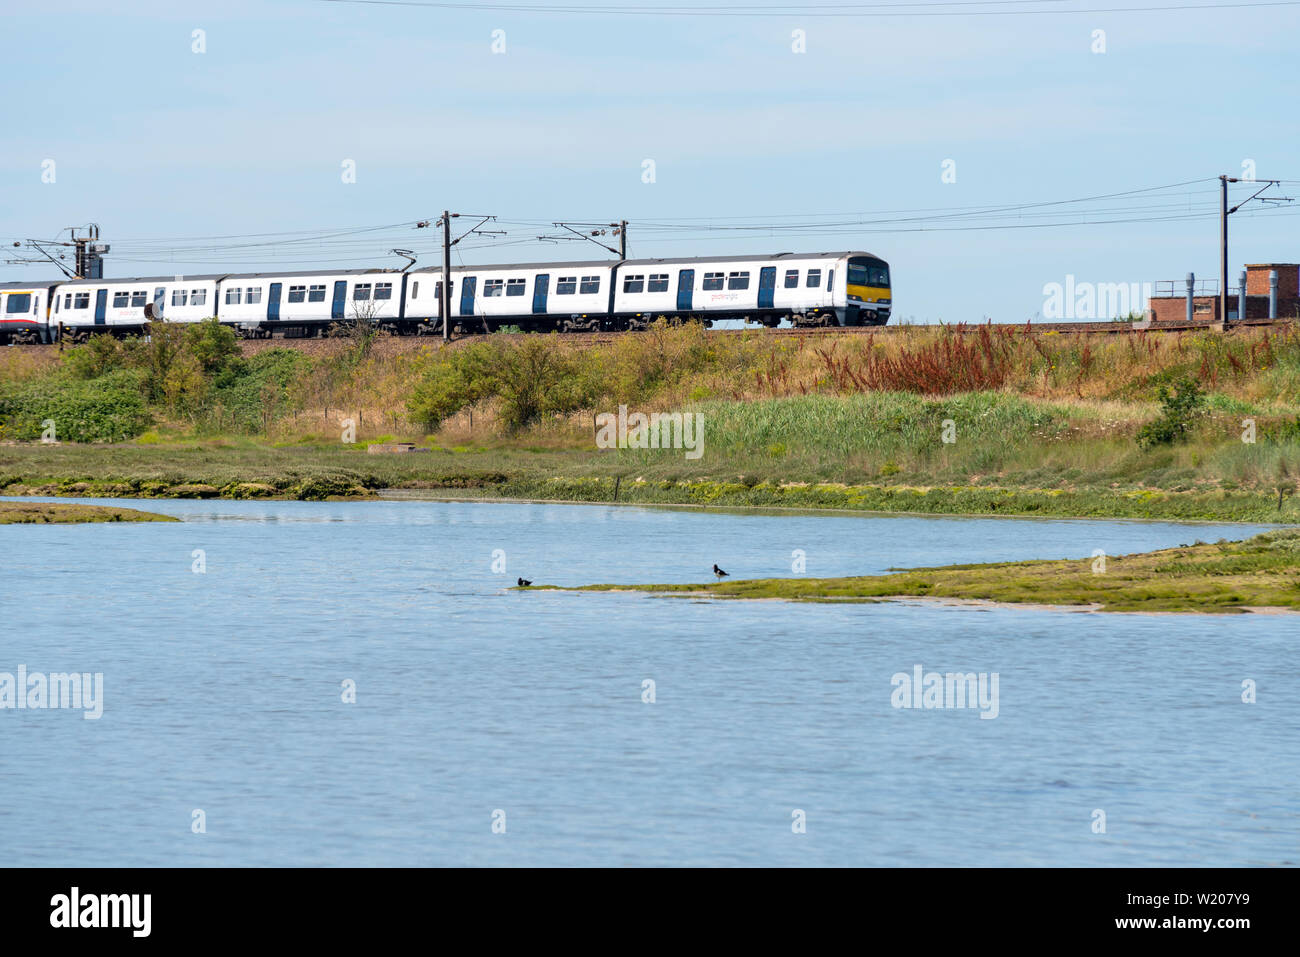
1261,572
63,513
1056,413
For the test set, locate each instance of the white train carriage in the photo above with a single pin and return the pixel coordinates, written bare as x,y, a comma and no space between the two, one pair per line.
847,288
810,289
23,315
533,296
83,307
303,303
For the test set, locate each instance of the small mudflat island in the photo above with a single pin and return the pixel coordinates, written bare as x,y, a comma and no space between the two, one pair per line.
60,513
1258,574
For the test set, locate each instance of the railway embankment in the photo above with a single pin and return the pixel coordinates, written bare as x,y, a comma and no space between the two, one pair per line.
1196,425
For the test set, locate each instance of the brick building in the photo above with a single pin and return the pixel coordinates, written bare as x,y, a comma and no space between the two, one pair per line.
1205,307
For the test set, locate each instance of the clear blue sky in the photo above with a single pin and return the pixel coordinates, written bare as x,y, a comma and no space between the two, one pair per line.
156,142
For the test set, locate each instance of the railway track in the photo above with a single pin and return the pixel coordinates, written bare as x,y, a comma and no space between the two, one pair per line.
1039,328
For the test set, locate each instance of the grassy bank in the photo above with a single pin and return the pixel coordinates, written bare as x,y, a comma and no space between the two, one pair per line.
1259,573
55,513
251,471
1198,425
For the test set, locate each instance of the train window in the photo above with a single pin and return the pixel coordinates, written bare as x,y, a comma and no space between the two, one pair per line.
738,280
415,288
82,301
590,285
493,287
658,282
830,280
121,299
714,280
297,293
861,274
566,285
361,292
316,294
67,301
253,295
56,303
18,301
232,296
515,287
634,283
138,298
792,279
179,297
198,297
383,290
814,279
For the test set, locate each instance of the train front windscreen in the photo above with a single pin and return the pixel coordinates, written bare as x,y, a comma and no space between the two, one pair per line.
871,273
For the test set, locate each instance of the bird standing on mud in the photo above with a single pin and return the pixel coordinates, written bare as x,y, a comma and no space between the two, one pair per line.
719,572
524,583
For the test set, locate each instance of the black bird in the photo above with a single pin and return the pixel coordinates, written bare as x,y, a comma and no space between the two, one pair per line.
719,572
524,583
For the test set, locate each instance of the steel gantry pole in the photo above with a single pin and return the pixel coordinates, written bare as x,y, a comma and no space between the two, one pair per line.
445,304
1223,251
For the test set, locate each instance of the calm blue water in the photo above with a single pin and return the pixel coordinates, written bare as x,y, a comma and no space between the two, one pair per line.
223,693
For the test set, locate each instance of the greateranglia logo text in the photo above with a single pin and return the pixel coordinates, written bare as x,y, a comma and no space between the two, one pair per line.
37,691
658,430
933,689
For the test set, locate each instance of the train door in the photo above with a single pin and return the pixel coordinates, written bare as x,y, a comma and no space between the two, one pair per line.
541,286
685,289
467,295
101,305
766,287
830,288
340,299
273,302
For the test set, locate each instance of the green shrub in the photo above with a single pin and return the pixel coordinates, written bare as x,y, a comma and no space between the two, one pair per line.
215,347
532,378
108,408
1179,408
251,393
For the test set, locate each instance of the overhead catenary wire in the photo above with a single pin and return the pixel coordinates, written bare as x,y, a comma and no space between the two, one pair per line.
370,245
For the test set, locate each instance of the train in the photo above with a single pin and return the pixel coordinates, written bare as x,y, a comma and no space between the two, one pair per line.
809,289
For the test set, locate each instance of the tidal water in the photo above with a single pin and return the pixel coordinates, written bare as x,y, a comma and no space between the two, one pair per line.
492,727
